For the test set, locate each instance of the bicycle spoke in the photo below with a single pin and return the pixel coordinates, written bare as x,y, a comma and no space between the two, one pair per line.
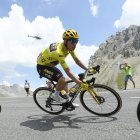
41,95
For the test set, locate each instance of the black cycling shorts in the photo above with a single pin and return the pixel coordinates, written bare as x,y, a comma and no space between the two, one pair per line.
51,73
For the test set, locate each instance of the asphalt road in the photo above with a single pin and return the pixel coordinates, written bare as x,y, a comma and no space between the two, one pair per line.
21,119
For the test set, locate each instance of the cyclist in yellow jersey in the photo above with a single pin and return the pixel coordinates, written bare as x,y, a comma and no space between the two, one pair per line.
128,73
56,54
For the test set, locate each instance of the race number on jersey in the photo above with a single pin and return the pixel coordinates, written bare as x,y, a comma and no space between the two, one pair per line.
53,47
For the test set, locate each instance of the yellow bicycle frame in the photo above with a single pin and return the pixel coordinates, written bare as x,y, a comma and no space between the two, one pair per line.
93,93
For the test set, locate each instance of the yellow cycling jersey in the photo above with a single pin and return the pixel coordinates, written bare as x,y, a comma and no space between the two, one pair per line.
54,54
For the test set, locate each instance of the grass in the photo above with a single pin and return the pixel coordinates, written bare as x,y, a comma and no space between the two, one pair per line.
120,80
134,67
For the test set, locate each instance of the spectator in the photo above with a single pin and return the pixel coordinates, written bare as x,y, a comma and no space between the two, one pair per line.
128,74
27,87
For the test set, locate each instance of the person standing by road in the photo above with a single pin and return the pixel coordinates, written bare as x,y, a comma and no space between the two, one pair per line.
27,87
128,73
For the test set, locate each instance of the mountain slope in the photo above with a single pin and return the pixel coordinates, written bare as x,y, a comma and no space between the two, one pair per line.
123,46
14,90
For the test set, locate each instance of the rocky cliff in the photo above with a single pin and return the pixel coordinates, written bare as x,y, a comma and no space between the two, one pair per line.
123,46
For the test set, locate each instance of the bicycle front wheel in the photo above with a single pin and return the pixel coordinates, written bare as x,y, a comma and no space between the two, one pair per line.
40,97
111,101
138,111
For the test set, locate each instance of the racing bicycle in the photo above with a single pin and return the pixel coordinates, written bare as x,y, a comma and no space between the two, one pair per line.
99,99
138,111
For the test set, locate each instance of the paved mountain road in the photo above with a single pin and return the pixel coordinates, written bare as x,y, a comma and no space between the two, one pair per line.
21,119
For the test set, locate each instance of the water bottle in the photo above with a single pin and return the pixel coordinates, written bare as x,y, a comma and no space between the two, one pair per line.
73,90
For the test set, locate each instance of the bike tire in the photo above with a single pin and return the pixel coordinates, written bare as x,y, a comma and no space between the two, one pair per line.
138,111
40,96
92,109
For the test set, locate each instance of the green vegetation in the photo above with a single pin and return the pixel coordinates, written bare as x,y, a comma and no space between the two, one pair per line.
120,80
134,68
107,77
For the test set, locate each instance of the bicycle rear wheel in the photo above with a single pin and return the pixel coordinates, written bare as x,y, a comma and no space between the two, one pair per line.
111,101
40,97
138,111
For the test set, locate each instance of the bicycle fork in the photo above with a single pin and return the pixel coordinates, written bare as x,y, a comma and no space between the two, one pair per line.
95,95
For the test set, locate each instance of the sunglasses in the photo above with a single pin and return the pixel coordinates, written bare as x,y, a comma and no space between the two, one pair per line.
74,41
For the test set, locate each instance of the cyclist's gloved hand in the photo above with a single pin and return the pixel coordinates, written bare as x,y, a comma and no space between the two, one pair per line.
91,70
84,85
95,69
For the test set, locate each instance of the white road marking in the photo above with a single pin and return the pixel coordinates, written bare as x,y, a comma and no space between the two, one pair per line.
134,97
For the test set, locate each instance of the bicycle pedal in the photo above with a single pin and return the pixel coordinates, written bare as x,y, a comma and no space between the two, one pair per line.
49,106
69,106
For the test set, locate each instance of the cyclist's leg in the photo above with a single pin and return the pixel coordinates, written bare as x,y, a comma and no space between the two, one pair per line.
62,84
54,74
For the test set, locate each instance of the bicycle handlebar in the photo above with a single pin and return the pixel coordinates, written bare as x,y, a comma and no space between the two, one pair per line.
86,73
96,68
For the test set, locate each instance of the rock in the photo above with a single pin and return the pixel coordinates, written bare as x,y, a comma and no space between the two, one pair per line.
124,44
15,90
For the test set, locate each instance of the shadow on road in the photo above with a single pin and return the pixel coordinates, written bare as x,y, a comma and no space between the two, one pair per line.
48,122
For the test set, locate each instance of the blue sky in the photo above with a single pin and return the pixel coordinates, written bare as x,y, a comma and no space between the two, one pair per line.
95,21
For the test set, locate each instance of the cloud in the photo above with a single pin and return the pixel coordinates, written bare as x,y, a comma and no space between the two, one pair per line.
83,52
93,8
130,14
8,71
15,45
14,1
53,2
49,2
17,49
6,83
